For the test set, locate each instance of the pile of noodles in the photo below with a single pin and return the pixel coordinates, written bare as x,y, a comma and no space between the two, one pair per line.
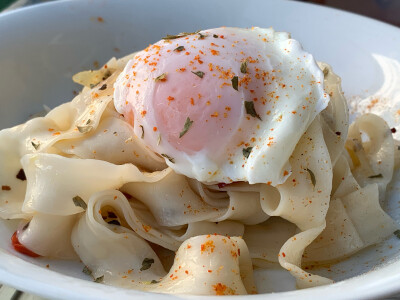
94,192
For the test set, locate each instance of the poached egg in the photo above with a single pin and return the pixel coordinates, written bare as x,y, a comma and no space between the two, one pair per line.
224,104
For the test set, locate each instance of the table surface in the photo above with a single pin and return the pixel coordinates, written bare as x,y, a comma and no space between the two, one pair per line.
383,10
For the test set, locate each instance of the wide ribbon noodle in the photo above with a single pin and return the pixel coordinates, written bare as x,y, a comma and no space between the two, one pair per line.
94,192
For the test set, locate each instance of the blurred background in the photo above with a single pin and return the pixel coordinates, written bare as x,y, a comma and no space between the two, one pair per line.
384,10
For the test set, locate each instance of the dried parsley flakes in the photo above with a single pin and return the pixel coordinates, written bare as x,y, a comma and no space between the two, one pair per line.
179,49
243,67
84,129
162,77
247,151
87,271
186,127
376,176
78,201
250,110
35,145
235,82
171,159
146,263
198,73
312,177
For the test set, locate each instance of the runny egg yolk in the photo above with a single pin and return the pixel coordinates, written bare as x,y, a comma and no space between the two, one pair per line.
216,102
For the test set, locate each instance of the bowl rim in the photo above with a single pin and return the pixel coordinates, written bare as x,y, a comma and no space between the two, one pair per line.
373,284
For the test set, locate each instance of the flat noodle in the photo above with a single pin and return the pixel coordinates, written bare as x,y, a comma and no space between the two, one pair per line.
244,207
198,260
290,257
364,205
172,201
298,200
304,201
199,268
265,240
371,148
94,190
343,182
335,118
113,251
339,239
346,231
49,235
113,141
50,191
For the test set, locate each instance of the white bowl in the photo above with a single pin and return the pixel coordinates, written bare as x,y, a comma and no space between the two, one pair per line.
42,46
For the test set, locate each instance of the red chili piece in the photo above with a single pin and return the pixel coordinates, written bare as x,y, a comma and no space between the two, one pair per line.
21,248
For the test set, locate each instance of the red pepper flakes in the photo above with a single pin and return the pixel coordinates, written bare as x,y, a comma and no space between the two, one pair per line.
143,113
214,115
208,246
5,188
170,98
283,254
219,289
154,128
146,228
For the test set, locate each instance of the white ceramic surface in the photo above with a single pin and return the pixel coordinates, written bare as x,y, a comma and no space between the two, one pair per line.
42,46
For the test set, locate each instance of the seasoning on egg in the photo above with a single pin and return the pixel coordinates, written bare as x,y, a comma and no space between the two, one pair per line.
235,82
198,73
162,77
179,49
250,110
186,127
243,67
